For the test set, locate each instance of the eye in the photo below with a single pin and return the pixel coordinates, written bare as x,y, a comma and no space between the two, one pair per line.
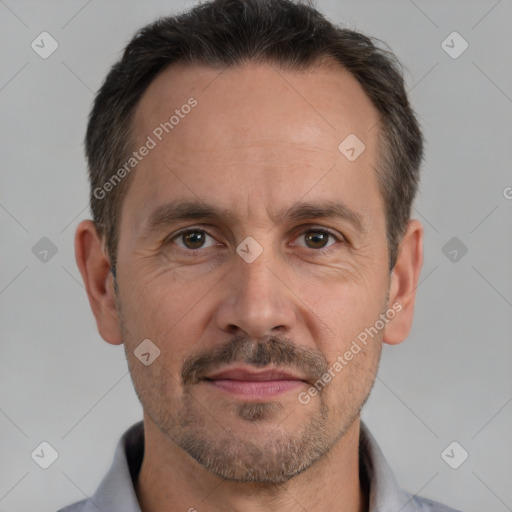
193,239
313,238
317,239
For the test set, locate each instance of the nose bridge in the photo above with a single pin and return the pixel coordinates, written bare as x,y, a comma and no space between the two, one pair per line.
255,278
256,300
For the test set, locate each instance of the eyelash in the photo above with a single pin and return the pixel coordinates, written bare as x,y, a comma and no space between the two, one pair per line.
198,252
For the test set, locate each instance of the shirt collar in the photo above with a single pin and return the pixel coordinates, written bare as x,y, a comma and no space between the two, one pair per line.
116,492
385,493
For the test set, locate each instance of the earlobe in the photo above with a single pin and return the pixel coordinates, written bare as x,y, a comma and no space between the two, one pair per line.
94,267
404,281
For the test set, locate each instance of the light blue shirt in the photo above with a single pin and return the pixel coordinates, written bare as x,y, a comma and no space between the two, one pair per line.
116,492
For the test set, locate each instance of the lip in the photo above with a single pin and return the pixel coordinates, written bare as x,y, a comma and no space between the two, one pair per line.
250,384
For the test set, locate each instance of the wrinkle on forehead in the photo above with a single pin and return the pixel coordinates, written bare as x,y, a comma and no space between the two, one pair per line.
257,137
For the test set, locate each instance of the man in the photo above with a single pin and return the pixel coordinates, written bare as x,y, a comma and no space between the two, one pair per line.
252,172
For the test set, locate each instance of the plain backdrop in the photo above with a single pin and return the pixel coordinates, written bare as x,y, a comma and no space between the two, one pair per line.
450,381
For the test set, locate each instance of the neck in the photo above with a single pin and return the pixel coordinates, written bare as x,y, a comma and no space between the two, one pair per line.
169,479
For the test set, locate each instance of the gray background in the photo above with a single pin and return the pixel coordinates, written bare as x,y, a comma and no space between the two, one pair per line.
450,381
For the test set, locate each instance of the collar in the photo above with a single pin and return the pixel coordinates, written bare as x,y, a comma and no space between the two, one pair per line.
116,492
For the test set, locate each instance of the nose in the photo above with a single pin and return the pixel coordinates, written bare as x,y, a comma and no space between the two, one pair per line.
257,298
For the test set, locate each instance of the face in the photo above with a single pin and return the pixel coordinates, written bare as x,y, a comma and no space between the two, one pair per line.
253,253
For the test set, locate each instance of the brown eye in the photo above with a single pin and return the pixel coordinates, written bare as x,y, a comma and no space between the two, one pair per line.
317,239
192,239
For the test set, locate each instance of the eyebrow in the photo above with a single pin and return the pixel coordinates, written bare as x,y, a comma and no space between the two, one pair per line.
176,211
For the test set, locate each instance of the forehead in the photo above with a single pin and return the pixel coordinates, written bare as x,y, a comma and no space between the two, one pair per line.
256,133
326,100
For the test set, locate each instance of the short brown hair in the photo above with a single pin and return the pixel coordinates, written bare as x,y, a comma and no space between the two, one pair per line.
227,33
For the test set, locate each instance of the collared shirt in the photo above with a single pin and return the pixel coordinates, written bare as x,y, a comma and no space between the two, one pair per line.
116,492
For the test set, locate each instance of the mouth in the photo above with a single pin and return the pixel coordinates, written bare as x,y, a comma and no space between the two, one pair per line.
251,384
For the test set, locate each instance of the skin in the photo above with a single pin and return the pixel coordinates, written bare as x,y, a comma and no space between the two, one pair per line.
260,140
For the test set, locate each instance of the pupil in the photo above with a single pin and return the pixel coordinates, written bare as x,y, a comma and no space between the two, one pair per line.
316,237
194,240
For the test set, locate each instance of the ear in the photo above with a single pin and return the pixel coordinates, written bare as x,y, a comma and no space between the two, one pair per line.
404,281
94,266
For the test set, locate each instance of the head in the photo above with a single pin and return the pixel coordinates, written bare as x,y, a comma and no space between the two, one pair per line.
252,172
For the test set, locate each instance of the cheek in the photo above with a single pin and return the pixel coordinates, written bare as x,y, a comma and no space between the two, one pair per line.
351,374
160,301
167,311
345,309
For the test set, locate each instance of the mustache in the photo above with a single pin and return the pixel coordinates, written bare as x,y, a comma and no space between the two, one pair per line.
278,351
